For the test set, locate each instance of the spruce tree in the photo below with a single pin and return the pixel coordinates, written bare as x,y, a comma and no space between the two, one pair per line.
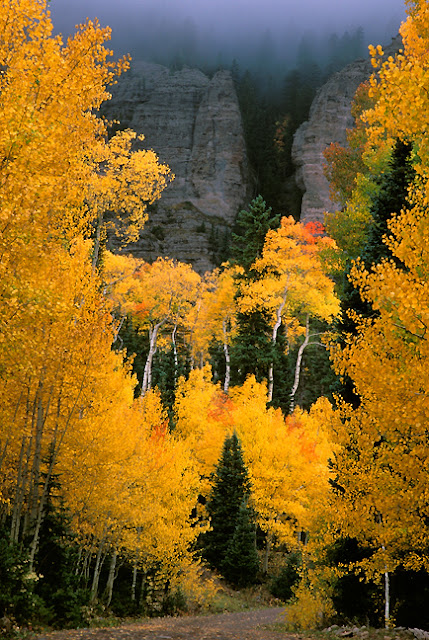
251,229
390,200
251,351
241,564
231,488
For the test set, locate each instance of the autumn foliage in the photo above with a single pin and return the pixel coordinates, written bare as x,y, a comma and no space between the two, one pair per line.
129,476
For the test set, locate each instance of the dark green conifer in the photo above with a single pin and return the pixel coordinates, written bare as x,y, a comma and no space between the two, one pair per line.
251,351
251,229
231,487
241,564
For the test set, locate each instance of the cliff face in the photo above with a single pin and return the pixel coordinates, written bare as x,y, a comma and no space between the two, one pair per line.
194,125
328,121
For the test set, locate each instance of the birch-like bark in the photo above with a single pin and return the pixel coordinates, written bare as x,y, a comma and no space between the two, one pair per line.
227,358
111,578
6,443
268,541
134,581
142,598
86,563
21,485
135,567
97,241
97,571
116,335
176,360
298,365
276,327
386,595
386,600
147,375
56,444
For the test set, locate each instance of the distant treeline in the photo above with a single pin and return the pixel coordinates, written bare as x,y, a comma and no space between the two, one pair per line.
178,44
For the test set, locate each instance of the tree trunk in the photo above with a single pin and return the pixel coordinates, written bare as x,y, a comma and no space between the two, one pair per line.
21,484
386,600
9,431
147,376
116,335
276,327
142,598
134,582
267,553
176,360
97,570
111,578
97,241
227,358
298,365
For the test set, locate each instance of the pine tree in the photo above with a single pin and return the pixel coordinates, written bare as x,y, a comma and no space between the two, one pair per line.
252,227
231,487
241,564
390,199
251,351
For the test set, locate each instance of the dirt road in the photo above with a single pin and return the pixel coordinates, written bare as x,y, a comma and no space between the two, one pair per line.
246,625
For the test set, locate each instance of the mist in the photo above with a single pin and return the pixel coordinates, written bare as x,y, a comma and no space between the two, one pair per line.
215,32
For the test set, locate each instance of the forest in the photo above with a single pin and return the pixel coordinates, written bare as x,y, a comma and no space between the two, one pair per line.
264,423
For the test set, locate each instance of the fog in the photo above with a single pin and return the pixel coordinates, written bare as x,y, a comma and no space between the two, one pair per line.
213,32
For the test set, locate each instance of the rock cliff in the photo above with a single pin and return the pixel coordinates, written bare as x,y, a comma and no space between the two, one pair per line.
194,125
328,122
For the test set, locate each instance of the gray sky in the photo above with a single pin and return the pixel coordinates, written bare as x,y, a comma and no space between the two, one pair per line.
135,21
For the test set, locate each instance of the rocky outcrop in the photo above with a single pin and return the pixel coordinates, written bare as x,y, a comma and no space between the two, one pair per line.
194,125
329,119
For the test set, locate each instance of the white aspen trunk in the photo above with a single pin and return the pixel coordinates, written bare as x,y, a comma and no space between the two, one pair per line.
266,553
227,358
276,327
298,365
97,241
134,582
21,483
56,443
41,505
135,567
97,571
8,434
176,360
147,376
117,330
37,458
111,578
86,563
78,560
386,600
143,584
386,589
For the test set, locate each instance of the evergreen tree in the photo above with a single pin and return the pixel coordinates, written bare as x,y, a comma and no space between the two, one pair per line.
251,229
241,564
390,199
57,558
251,351
231,487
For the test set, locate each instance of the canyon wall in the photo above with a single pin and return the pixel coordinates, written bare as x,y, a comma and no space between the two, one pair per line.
194,125
328,121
